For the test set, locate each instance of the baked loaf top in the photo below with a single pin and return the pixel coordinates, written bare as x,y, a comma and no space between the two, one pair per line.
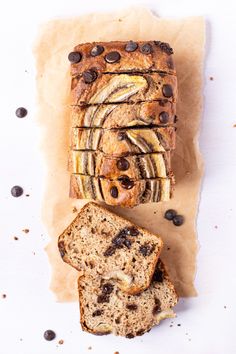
136,167
99,242
105,309
123,192
110,88
124,115
124,142
126,56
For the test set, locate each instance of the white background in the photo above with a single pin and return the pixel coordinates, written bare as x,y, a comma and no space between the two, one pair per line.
207,327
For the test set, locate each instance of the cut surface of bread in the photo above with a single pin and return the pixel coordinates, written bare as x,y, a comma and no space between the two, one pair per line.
106,309
100,243
123,56
123,192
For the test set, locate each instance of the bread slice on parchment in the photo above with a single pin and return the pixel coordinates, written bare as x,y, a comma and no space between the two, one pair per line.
105,309
100,243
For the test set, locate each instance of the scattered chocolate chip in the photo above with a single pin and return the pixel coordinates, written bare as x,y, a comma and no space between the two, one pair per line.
61,247
121,136
110,251
21,112
146,48
16,238
132,231
61,341
89,76
126,182
97,50
167,90
27,195
118,241
4,296
129,335
112,57
107,288
170,214
211,78
26,231
17,191
75,57
97,313
178,220
165,47
164,117
146,250
103,298
178,324
158,276
131,46
114,192
132,307
122,164
49,335
127,243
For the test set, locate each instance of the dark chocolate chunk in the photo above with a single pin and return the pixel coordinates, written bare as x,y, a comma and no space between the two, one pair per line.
146,250
75,57
107,288
122,164
89,76
129,335
146,48
158,276
131,46
132,307
21,112
132,231
97,50
157,307
167,90
49,335
178,220
127,243
121,136
103,298
165,47
61,247
110,251
97,313
112,57
164,117
170,214
114,192
126,182
17,191
118,241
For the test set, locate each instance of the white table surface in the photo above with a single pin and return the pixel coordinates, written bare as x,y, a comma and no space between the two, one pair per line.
207,321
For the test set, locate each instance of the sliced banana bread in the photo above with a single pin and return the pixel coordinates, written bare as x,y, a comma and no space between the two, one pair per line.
101,243
105,309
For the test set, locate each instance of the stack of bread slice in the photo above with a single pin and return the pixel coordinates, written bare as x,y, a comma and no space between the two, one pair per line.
123,286
122,122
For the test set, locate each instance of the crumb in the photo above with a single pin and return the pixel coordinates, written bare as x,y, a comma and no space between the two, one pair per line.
89,348
26,231
4,296
234,126
187,173
168,248
27,195
155,212
33,253
21,339
224,307
16,238
189,339
171,325
61,341
186,334
211,78
74,210
216,227
178,324
120,20
116,353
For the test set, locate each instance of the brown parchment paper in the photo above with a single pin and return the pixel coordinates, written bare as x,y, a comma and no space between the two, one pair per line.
56,40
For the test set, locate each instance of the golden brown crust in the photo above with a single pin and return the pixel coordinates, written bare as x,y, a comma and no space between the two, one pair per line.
160,57
124,115
110,88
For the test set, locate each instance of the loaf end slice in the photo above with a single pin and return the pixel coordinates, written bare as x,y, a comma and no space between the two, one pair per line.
100,243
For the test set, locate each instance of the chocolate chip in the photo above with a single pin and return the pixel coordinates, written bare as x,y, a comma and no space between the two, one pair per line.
89,76
110,251
118,241
157,307
170,214
131,46
146,48
158,276
127,243
140,332
132,307
112,57
126,182
75,57
97,50
21,112
103,298
97,313
165,47
121,136
114,192
167,90
17,191
49,335
164,117
146,250
107,288
129,335
61,247
178,220
122,164
132,231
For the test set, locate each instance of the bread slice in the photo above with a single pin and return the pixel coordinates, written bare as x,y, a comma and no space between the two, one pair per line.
123,192
135,167
124,115
124,142
99,242
113,88
105,309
